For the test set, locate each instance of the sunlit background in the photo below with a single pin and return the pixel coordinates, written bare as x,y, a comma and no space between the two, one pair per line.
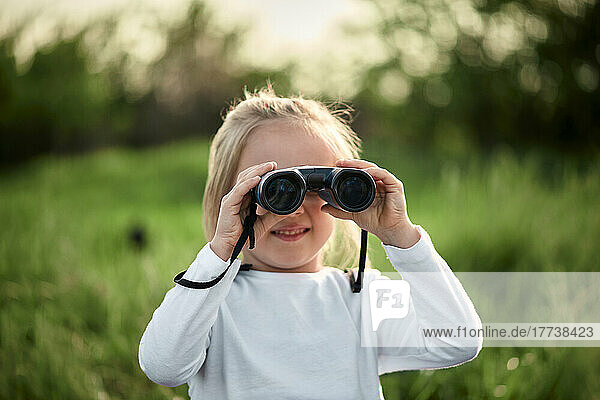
487,110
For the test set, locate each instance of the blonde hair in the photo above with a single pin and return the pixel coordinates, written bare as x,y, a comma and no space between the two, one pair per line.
263,106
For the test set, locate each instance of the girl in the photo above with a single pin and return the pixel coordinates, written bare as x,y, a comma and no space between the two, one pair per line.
289,327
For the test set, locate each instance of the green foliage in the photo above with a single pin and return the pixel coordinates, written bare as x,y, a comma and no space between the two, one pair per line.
486,74
76,295
484,213
65,99
58,105
456,77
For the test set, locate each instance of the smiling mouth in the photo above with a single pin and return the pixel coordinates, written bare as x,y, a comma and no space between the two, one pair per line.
290,236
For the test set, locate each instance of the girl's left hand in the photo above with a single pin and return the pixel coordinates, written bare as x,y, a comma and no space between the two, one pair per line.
386,218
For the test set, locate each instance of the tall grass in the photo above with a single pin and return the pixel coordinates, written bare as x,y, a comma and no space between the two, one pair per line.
76,295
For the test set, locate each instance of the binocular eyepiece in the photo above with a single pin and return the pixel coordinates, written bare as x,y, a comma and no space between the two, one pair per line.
282,191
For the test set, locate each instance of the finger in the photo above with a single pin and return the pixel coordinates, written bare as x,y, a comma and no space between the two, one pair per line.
384,176
380,187
245,202
259,169
355,163
235,197
269,220
260,210
253,172
327,208
380,194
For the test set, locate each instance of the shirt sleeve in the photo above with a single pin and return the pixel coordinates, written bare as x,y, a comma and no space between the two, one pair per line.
174,344
437,301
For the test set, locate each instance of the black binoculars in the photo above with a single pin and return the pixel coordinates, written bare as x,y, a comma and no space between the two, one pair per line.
282,191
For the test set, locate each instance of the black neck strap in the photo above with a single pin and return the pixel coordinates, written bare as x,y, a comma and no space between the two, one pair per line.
248,232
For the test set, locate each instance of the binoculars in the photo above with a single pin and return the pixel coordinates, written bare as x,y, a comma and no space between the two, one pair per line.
282,191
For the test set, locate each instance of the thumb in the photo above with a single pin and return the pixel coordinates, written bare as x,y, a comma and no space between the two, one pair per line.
260,210
329,209
265,222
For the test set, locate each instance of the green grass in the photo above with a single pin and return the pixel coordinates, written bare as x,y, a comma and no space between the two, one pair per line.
75,297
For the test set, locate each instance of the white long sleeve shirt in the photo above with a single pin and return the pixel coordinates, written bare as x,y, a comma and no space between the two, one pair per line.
269,335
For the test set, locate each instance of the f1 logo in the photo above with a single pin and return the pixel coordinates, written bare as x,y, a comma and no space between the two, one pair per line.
389,299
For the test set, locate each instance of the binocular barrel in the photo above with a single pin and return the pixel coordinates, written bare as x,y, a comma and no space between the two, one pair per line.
282,191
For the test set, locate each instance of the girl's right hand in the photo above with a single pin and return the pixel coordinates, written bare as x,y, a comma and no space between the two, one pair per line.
229,224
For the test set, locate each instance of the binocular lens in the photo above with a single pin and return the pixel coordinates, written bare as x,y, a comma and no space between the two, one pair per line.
281,193
353,191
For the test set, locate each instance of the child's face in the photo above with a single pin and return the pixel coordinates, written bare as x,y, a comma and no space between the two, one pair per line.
290,146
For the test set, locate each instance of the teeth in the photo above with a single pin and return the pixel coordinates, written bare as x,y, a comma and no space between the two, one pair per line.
290,233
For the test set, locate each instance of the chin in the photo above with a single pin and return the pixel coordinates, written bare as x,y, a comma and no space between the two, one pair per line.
289,261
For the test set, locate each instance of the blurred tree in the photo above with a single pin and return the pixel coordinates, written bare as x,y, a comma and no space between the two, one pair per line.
476,74
124,79
459,76
57,105
190,82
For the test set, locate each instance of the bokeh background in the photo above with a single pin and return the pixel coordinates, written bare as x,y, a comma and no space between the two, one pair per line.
488,110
